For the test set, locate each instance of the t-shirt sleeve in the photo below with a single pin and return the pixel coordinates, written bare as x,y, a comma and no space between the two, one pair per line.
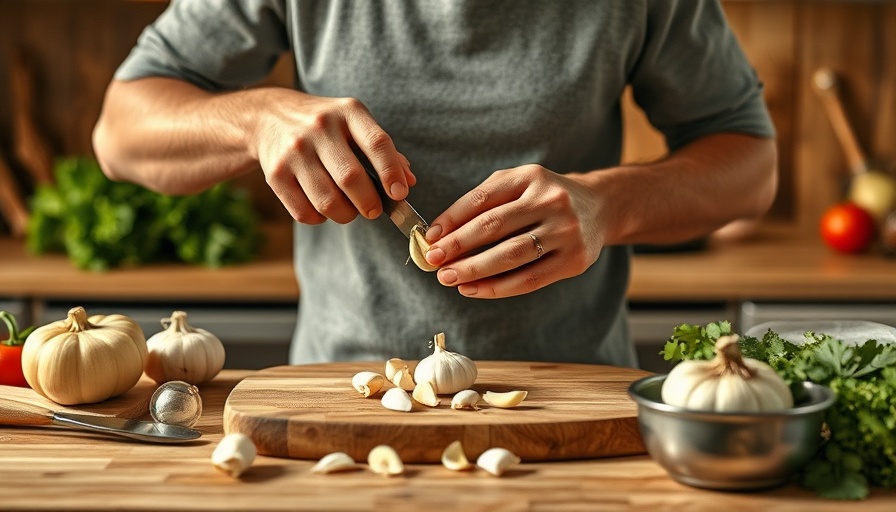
214,44
692,77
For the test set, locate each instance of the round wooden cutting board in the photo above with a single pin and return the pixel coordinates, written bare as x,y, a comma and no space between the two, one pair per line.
572,411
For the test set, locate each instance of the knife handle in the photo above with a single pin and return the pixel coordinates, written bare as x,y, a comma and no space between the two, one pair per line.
14,411
374,177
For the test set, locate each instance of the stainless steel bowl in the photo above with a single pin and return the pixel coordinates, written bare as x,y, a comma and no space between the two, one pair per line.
729,451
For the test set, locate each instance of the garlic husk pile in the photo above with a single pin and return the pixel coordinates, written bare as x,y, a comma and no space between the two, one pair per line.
83,360
182,352
728,383
449,372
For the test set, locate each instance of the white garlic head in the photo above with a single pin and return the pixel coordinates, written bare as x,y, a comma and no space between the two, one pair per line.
449,372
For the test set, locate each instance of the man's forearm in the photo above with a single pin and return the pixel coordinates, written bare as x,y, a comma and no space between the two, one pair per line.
695,190
172,137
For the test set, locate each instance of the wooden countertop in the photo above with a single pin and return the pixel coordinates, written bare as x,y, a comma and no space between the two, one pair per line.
773,264
53,469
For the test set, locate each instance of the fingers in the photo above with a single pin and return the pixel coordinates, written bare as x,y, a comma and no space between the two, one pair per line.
491,212
515,260
521,230
309,161
392,167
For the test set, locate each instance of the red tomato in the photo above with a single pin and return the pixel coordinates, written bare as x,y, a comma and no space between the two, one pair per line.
11,366
11,352
848,228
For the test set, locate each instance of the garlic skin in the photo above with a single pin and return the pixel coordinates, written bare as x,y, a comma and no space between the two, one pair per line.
367,383
234,454
449,372
497,460
728,383
392,367
403,379
424,393
182,352
81,360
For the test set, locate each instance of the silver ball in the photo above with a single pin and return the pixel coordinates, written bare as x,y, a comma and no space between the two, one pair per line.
176,403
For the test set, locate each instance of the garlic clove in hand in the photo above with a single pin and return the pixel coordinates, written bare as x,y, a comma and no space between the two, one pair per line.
384,460
417,246
234,454
497,460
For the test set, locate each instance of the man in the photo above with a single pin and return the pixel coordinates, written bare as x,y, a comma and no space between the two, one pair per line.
503,116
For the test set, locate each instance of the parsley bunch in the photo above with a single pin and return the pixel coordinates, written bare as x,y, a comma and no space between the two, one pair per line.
103,224
861,448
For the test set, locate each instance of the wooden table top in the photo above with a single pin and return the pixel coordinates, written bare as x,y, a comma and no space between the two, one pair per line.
53,469
776,263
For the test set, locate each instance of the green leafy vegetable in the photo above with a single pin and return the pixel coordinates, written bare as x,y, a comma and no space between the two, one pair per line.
103,224
861,447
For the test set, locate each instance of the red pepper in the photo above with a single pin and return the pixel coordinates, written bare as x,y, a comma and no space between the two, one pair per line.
11,353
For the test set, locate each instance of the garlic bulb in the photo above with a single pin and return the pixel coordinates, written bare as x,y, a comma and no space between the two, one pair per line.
81,360
182,352
448,372
728,383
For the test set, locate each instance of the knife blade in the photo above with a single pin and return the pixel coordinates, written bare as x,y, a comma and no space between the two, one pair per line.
402,214
149,431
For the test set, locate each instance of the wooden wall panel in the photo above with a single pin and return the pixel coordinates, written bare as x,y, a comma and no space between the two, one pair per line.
75,46
857,41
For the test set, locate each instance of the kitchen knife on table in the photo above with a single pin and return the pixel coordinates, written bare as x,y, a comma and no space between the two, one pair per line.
23,413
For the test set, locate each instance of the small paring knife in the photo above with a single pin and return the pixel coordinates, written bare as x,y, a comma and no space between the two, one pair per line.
13,412
401,212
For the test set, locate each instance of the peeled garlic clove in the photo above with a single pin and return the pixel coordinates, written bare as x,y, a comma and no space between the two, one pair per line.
384,460
425,393
505,400
397,399
392,367
466,399
334,462
404,379
418,247
497,460
234,454
454,458
367,383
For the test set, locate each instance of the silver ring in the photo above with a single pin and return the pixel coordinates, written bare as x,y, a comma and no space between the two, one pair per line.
537,241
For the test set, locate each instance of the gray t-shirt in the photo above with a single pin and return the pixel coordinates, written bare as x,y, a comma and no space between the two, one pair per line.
466,88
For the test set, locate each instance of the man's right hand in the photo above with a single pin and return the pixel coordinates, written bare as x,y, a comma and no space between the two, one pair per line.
175,138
